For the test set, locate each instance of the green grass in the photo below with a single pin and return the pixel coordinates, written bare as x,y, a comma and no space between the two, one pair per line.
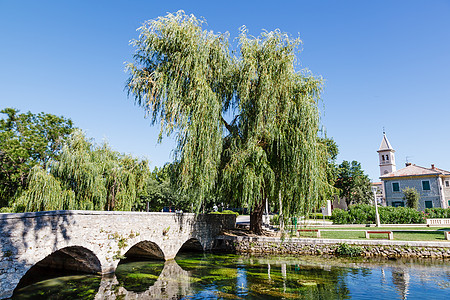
400,233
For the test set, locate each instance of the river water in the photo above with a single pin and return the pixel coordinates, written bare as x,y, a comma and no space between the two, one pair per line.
227,276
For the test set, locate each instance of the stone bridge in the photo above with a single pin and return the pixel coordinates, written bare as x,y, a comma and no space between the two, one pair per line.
95,241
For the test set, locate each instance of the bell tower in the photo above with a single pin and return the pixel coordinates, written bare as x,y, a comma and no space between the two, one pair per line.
386,157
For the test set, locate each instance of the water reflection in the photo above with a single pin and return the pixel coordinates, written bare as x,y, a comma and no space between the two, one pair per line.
65,287
146,280
400,278
200,276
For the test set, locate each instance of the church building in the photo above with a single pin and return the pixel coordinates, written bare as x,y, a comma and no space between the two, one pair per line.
433,184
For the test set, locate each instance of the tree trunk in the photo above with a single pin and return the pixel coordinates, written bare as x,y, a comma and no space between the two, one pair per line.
256,217
280,215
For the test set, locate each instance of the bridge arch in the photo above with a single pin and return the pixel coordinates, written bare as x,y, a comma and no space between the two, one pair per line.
68,259
145,249
191,245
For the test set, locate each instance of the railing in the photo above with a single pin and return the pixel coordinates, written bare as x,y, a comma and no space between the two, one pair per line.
438,221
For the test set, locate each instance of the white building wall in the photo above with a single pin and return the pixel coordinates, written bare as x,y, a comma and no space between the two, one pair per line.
387,162
446,189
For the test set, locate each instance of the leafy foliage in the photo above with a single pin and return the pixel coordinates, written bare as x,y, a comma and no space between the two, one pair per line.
353,184
187,80
411,196
345,249
181,77
162,190
87,177
27,140
332,152
226,212
365,214
437,213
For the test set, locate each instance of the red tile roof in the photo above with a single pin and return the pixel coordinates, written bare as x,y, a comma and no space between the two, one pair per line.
413,170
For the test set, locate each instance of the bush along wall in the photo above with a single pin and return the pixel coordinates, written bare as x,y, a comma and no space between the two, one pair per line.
437,213
365,214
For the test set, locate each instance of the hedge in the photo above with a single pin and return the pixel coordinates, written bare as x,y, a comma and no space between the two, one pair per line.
225,212
437,213
365,214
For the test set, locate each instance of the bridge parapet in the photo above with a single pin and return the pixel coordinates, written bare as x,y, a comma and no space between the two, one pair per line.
105,237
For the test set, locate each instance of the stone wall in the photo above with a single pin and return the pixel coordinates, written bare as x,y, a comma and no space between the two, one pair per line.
304,246
431,195
95,238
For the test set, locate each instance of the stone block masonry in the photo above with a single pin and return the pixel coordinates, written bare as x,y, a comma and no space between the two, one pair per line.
305,246
95,241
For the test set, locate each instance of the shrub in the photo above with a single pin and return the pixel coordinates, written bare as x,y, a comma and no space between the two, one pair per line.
411,196
225,212
230,212
361,214
317,216
400,215
339,216
437,213
356,214
275,220
365,214
6,210
347,250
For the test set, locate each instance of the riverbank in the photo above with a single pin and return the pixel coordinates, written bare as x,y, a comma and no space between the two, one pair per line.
317,246
228,276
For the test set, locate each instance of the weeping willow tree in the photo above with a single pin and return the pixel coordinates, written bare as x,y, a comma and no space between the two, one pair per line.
276,155
85,177
187,80
181,76
44,192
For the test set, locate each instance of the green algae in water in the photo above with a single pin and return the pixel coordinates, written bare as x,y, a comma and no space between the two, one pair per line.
247,278
307,282
67,287
224,272
201,276
193,264
138,276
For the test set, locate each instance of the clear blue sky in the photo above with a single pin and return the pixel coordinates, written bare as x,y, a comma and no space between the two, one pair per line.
386,63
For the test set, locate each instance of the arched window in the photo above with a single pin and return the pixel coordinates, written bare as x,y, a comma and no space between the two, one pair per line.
387,157
382,157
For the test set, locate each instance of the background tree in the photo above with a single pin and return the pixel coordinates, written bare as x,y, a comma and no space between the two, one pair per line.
85,176
27,140
353,184
332,153
186,79
411,196
162,191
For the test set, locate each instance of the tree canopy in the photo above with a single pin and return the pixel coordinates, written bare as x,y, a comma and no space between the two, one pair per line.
353,184
162,190
188,81
85,176
411,196
332,153
27,140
